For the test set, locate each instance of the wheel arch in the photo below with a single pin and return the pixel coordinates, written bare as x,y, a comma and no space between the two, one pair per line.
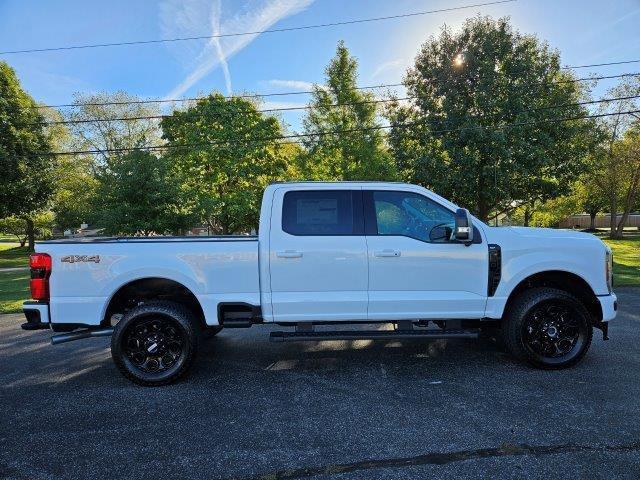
130,293
563,280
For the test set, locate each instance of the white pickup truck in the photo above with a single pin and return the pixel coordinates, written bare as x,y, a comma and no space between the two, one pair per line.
328,253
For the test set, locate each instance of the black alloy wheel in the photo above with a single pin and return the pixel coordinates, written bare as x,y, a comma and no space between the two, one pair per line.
155,343
548,328
553,331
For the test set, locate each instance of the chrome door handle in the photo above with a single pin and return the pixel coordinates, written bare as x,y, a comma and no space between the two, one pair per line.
289,254
387,253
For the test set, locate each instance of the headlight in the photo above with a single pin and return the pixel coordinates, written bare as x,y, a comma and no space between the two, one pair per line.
609,269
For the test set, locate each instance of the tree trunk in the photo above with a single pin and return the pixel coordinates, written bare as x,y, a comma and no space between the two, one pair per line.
527,215
483,211
592,221
31,234
630,200
613,208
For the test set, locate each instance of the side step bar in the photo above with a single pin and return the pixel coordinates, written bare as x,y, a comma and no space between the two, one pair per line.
80,334
370,335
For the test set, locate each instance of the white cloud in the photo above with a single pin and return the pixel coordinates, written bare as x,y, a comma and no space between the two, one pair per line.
386,66
292,84
216,14
189,18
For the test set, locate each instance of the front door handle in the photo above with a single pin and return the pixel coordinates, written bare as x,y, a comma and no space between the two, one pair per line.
289,254
387,253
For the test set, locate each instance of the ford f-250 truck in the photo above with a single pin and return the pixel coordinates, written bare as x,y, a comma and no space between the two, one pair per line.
328,253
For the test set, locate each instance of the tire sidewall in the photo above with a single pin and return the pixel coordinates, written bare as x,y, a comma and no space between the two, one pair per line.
182,319
524,306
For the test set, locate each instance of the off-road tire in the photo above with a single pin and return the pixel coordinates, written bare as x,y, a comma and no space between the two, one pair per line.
516,321
184,325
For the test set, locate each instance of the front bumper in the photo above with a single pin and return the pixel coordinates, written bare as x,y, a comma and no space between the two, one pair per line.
609,305
37,314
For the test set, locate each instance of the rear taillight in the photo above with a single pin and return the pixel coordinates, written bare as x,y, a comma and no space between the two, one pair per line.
40,264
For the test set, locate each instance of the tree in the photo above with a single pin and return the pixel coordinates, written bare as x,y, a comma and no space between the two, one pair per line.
357,151
112,121
26,166
18,227
138,193
619,166
482,128
74,175
589,198
225,152
628,151
75,195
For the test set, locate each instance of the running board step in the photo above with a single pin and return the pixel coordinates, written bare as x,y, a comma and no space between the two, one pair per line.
370,335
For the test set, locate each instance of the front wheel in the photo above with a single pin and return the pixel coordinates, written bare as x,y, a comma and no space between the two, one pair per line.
548,328
155,343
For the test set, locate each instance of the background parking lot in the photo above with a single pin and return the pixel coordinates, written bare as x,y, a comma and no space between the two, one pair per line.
254,409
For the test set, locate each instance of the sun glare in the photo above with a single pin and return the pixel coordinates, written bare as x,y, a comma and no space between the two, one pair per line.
458,60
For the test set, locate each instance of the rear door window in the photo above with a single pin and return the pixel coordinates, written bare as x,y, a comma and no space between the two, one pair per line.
321,212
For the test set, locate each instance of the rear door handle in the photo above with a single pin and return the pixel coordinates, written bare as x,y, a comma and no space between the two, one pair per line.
387,253
289,254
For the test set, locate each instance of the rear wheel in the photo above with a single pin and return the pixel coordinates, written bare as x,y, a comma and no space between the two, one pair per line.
155,343
548,328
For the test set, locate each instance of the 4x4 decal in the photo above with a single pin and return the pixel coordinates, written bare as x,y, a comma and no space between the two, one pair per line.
80,258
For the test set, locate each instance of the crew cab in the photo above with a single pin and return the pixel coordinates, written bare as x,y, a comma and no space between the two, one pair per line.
357,253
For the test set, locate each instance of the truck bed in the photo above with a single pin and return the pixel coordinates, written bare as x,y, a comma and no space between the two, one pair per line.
87,272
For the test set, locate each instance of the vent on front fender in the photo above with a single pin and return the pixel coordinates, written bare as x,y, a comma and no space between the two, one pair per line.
495,268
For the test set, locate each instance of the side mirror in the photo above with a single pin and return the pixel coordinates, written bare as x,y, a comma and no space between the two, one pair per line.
463,231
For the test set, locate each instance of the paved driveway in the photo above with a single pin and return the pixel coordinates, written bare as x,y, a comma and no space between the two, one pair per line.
348,410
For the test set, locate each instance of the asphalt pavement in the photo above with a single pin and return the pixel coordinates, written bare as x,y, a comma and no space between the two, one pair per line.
252,409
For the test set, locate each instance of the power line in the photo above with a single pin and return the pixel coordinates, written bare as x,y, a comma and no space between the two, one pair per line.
623,62
303,92
257,32
305,107
288,138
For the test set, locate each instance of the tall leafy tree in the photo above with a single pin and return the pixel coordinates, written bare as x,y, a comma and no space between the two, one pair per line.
74,175
75,192
482,128
225,151
138,193
26,166
112,124
357,150
618,174
113,121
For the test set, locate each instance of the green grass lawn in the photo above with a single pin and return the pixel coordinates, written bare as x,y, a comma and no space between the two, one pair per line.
14,289
8,238
626,260
14,286
13,255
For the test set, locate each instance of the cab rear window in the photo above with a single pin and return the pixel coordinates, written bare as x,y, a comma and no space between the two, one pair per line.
318,212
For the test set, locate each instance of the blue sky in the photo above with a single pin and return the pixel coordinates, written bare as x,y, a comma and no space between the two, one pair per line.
585,32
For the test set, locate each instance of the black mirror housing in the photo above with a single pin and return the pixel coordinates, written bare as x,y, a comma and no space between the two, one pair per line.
463,231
